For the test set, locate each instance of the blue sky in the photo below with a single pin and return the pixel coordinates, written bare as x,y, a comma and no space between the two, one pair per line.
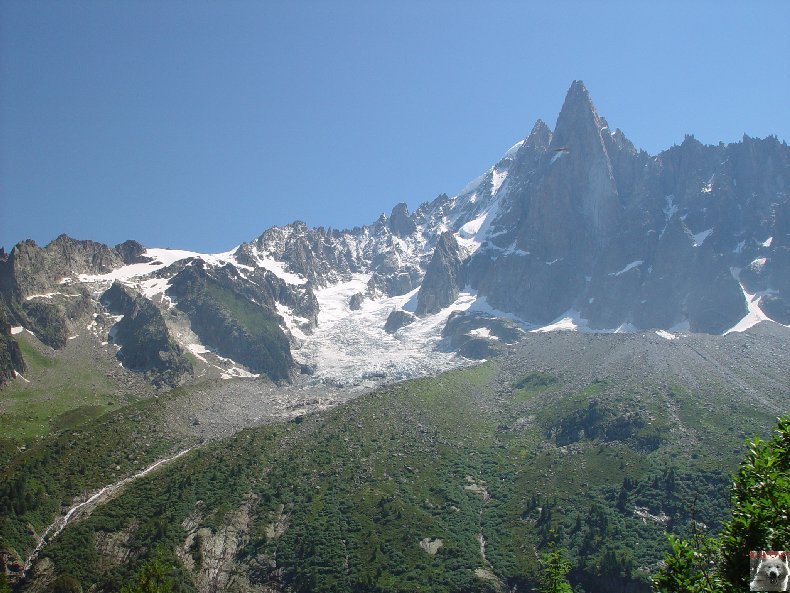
198,125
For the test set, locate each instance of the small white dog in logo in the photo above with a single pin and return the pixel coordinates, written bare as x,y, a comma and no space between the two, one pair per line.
772,573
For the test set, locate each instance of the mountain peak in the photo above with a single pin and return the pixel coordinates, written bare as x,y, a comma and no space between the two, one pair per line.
577,88
540,136
578,115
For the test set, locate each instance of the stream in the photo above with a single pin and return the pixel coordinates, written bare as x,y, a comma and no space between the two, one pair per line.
79,509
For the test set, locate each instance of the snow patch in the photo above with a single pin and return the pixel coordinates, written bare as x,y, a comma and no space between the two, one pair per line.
471,228
50,295
758,264
161,258
293,322
234,371
755,315
671,209
628,268
277,268
198,350
497,179
768,241
18,329
155,286
238,373
20,376
514,149
571,320
482,332
666,335
472,234
699,238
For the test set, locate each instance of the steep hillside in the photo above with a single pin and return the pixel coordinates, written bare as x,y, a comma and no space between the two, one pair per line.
597,442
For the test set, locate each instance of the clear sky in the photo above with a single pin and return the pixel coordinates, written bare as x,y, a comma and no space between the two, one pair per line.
198,125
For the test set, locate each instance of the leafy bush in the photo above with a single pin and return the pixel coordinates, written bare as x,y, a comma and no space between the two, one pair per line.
759,521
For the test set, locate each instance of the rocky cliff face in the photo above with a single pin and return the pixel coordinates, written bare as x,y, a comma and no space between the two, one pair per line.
39,287
30,269
591,224
231,324
11,361
145,342
442,279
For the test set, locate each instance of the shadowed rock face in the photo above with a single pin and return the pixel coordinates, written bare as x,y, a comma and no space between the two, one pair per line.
146,344
397,320
442,278
10,355
400,223
231,324
594,225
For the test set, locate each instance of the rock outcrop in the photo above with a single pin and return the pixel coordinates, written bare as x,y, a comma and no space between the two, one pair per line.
231,324
443,277
398,319
593,226
144,340
477,335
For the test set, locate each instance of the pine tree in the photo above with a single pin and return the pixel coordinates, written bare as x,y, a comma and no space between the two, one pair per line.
555,570
152,577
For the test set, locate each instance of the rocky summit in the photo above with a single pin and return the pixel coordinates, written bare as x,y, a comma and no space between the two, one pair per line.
574,228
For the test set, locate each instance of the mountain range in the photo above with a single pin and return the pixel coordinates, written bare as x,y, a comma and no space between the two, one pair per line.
574,228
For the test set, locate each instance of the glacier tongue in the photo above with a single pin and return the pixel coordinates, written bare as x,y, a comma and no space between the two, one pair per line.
352,348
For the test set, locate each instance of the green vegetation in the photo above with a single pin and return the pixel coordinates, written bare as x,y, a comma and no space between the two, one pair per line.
33,358
252,317
555,572
61,395
37,481
532,384
396,491
688,567
152,577
760,504
759,521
